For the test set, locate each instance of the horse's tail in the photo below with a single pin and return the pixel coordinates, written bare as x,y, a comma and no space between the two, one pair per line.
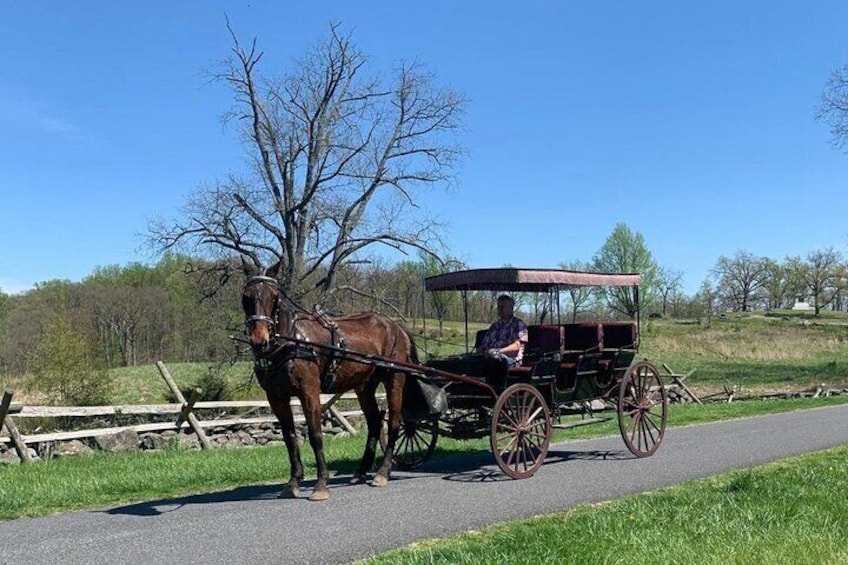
412,356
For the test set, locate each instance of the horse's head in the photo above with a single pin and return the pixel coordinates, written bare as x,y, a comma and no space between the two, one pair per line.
261,301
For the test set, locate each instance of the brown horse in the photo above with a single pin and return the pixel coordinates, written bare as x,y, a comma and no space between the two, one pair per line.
290,360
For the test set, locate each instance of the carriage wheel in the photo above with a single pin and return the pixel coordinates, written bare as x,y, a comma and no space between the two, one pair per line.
521,431
415,443
642,409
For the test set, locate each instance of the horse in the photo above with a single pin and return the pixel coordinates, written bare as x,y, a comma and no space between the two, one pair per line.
301,353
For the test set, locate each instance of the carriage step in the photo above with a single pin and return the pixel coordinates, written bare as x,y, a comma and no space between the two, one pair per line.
578,423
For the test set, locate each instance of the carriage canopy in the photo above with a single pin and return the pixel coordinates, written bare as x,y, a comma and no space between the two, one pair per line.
525,280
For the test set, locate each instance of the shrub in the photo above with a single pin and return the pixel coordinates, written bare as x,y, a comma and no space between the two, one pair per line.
65,369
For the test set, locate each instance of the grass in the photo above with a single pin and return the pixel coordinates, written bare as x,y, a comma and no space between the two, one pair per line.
785,512
754,352
75,483
144,384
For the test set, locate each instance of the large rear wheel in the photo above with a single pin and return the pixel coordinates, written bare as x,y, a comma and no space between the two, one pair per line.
415,443
521,431
642,409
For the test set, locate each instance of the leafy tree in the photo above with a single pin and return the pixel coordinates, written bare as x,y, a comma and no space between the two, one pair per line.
625,251
340,161
65,368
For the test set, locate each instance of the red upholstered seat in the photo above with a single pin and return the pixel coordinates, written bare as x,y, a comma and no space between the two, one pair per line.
619,335
583,337
541,340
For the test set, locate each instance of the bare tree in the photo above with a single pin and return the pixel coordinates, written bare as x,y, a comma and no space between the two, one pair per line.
339,159
833,109
578,296
778,284
821,276
741,279
669,282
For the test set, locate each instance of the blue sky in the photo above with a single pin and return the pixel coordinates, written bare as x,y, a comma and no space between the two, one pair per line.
691,122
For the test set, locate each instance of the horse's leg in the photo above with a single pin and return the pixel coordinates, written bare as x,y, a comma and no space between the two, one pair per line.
282,409
311,404
374,420
394,394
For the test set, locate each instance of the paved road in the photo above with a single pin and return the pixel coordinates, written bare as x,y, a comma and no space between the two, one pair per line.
251,526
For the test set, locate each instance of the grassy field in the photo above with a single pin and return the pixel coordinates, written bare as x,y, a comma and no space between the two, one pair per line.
783,351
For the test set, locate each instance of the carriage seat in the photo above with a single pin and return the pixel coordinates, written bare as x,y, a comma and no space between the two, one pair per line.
582,338
542,340
619,347
581,350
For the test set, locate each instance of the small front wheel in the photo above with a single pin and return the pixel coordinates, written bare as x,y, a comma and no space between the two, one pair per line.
642,409
521,431
415,443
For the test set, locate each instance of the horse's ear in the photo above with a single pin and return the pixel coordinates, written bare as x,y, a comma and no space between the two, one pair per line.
273,270
248,269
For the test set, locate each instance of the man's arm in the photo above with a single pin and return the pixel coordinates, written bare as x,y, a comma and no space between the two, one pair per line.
509,349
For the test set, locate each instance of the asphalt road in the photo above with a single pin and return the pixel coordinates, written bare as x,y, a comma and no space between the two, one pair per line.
251,526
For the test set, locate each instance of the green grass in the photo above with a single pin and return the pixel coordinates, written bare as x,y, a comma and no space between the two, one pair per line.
101,479
144,384
786,512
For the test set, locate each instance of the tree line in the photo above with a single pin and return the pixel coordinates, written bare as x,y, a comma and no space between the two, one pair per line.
173,310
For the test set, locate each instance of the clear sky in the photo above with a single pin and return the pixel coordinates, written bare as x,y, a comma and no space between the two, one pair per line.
691,122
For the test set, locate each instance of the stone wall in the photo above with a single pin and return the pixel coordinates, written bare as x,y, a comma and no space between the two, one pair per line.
238,435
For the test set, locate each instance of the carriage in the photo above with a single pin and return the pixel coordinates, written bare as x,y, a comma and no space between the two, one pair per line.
582,369
586,369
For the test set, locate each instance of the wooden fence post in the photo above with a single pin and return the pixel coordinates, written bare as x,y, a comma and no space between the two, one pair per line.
187,409
678,380
328,407
17,440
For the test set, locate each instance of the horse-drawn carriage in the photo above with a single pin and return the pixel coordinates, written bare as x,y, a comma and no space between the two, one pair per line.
577,368
581,368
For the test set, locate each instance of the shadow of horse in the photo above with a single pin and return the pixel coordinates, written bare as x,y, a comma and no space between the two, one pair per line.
239,494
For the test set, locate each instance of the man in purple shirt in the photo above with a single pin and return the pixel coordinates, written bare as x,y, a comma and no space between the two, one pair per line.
507,337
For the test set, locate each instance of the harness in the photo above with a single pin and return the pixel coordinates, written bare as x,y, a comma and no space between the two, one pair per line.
337,342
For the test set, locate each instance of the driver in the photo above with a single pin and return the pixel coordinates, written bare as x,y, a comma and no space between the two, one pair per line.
507,336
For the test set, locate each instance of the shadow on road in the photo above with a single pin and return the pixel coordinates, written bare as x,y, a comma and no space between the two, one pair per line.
238,494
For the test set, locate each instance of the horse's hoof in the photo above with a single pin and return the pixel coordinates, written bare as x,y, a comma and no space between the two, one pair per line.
290,492
358,479
380,481
320,495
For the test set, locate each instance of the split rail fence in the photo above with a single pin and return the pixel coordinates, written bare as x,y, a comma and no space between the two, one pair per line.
183,409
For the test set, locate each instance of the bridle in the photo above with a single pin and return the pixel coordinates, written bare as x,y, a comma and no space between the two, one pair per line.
270,321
